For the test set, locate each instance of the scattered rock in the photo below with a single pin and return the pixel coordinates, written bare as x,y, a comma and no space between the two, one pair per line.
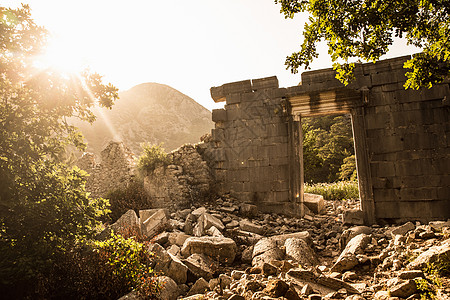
430,256
404,289
403,229
199,287
314,202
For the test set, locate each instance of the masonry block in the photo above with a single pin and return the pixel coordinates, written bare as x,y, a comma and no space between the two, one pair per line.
265,83
219,115
217,134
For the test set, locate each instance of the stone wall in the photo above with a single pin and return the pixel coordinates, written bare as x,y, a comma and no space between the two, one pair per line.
186,180
251,148
402,141
115,170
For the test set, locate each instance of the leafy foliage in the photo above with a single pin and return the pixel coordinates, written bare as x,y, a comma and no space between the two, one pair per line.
44,208
341,190
152,156
365,29
100,270
328,148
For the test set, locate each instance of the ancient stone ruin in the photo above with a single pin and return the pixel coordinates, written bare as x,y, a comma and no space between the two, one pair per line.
401,141
262,237
115,170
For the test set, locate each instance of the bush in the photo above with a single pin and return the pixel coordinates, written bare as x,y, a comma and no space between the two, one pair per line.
153,156
131,197
334,191
101,270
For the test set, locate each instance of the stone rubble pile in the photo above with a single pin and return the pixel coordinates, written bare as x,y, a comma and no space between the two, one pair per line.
233,252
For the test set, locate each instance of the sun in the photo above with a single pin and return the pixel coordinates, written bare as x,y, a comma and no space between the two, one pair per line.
63,56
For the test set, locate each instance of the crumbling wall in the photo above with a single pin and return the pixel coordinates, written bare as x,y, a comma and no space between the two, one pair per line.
252,154
186,180
116,169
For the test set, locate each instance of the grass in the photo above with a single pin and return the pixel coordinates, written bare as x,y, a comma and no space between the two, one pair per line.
341,190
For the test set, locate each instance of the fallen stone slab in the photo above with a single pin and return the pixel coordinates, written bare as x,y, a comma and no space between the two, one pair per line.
213,231
127,222
314,202
403,229
246,225
348,259
201,265
281,239
404,289
210,221
177,238
220,248
320,283
153,221
350,233
298,250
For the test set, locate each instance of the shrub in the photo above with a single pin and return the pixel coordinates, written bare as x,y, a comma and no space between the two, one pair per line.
334,191
101,270
122,199
152,156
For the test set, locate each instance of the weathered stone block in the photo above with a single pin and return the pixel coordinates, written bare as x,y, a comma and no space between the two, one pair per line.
223,249
153,221
233,98
353,216
265,83
315,203
219,115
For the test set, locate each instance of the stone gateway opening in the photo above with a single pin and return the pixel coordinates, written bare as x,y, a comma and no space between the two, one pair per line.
401,141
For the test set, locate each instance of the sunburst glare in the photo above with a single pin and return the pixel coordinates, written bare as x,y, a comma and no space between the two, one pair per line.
62,56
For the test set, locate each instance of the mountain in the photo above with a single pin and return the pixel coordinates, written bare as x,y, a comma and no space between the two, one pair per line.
149,112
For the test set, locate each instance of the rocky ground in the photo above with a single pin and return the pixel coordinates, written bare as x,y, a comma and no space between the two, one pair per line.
226,251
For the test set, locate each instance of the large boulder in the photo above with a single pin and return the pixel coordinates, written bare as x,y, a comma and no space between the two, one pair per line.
298,250
269,249
220,248
265,251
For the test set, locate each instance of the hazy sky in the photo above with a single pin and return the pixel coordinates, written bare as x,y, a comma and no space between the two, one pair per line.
188,45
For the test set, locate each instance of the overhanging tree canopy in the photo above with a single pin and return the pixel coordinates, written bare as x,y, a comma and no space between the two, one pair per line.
364,29
43,203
